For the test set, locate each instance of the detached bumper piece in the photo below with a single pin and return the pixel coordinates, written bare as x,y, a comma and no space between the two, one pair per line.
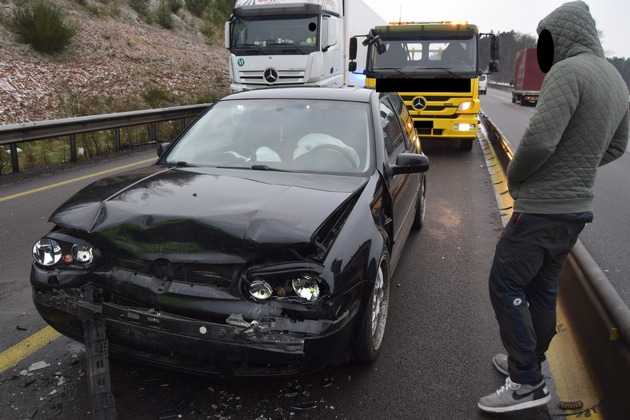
237,346
97,355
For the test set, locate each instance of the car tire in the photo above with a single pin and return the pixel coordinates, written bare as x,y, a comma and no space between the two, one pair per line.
466,145
421,206
373,321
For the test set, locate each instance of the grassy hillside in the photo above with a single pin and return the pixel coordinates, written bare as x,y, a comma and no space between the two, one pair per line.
123,55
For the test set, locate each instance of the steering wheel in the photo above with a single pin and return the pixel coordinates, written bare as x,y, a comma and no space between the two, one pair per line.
348,157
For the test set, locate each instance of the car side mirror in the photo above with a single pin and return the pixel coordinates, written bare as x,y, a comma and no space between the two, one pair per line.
353,49
162,148
380,47
411,163
226,35
352,66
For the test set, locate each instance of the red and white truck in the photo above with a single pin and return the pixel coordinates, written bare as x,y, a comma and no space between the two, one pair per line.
528,77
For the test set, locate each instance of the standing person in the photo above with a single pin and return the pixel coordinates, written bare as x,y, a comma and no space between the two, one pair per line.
581,123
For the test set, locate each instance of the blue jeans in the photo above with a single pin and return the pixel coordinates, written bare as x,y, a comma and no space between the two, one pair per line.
524,286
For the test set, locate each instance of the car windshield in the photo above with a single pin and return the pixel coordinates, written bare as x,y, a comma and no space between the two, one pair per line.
288,135
452,55
277,35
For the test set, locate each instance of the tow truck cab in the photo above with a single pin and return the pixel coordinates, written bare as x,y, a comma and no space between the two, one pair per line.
435,68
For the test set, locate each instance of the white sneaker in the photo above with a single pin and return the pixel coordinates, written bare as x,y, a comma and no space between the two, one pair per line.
514,397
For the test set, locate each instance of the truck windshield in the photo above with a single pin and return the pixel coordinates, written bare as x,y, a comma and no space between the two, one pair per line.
296,35
456,56
284,135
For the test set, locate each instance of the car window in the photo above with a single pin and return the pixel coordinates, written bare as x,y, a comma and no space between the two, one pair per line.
392,130
403,115
289,135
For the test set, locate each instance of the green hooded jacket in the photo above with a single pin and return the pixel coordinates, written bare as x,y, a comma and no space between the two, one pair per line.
581,120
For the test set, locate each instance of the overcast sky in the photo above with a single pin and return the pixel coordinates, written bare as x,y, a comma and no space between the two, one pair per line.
612,16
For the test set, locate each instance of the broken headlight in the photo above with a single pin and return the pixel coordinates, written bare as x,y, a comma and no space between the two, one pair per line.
260,290
306,286
297,284
48,252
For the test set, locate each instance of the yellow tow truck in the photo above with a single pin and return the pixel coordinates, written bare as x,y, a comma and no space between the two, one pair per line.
434,66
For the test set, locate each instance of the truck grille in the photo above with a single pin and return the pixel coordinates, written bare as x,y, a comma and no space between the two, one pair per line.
437,106
285,77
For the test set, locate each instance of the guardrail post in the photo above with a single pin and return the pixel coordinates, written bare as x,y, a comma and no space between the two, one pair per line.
152,131
15,162
116,139
73,147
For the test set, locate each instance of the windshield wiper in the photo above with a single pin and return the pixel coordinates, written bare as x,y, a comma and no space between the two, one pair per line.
446,69
398,70
286,47
181,164
255,167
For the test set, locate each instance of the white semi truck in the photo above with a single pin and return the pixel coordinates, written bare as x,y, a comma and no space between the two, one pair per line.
276,43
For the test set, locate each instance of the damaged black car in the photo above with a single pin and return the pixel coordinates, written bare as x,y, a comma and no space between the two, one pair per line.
261,242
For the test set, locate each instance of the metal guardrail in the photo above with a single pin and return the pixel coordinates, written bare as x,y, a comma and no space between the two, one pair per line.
593,304
499,85
14,134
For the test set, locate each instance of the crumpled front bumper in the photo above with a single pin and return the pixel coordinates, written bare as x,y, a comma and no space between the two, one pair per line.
277,346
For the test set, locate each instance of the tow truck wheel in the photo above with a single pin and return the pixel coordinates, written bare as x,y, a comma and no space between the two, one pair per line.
421,206
466,145
371,328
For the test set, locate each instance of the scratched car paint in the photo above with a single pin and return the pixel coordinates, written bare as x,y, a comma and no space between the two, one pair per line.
241,267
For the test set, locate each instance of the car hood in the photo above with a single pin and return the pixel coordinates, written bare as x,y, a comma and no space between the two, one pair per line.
199,215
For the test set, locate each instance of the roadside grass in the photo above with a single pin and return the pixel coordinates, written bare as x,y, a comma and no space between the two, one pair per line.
42,25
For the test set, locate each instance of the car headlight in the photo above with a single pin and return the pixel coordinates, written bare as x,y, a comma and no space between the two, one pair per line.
465,106
83,254
269,283
306,286
463,127
260,290
47,252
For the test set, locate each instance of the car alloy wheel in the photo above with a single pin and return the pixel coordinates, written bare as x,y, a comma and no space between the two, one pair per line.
378,309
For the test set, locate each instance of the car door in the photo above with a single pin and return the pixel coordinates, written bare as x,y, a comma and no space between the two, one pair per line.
403,188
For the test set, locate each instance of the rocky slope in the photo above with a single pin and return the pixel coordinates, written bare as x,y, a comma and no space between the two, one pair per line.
115,62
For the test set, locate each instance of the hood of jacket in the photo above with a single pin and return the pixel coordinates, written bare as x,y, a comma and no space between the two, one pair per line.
573,31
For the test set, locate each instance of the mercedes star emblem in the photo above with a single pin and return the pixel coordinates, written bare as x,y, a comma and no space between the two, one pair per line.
271,75
419,103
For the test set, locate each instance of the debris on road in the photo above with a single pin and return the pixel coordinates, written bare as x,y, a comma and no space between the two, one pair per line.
37,366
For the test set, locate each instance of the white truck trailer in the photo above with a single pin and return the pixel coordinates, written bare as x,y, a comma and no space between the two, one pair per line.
275,43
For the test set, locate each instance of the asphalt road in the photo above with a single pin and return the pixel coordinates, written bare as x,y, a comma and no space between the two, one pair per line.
435,360
607,237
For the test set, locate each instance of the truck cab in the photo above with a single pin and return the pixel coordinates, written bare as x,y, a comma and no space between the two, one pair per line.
284,43
434,66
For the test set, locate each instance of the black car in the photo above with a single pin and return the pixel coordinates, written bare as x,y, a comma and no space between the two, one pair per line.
261,242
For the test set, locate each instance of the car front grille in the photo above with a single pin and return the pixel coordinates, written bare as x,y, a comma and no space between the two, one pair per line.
220,276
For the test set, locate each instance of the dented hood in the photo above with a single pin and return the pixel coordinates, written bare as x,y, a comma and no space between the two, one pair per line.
205,214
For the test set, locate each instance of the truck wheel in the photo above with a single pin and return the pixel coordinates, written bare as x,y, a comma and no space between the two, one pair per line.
523,101
513,98
466,145
371,328
421,206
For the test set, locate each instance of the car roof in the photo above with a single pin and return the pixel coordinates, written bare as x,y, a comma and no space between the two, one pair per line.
331,94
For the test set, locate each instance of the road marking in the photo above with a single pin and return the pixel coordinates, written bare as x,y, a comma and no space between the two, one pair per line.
77,179
20,351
